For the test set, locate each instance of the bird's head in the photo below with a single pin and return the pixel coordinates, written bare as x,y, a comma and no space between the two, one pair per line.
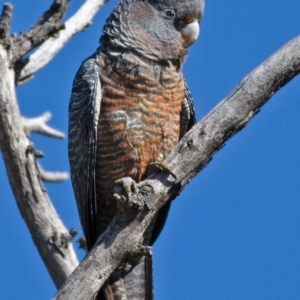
156,29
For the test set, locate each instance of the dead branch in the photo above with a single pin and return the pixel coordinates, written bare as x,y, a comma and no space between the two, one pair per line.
52,176
39,125
49,234
47,26
192,154
5,20
47,230
77,23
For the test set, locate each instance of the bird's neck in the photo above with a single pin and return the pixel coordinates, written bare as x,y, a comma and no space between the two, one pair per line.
136,68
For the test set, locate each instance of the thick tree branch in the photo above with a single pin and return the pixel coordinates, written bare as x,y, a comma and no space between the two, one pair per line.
47,230
78,22
192,154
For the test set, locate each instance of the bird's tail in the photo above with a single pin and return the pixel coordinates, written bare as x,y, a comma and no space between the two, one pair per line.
137,284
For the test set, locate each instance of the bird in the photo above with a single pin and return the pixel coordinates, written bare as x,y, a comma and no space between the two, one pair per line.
129,107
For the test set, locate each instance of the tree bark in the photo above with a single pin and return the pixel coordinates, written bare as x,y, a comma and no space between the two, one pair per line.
48,232
46,37
77,23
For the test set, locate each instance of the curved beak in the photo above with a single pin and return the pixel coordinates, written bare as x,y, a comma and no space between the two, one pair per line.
190,33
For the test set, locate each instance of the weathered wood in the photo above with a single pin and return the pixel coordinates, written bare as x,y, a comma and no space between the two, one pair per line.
47,26
47,230
191,155
45,53
39,125
47,36
5,20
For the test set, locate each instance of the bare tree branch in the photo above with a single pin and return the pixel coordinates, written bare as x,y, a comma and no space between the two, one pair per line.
47,26
192,154
52,176
39,125
78,22
5,20
48,232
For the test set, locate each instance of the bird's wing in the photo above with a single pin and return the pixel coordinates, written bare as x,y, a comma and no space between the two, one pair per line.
84,110
188,114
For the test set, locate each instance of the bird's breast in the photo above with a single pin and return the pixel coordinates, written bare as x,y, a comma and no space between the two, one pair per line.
139,120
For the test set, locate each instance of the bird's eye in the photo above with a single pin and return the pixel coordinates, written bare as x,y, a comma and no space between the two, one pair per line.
170,13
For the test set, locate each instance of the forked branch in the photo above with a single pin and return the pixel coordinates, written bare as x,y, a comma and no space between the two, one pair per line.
44,54
39,125
47,26
50,236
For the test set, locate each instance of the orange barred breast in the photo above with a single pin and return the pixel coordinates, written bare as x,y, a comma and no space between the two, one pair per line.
139,122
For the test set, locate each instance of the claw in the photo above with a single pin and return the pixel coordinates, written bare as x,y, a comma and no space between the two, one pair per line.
128,187
159,166
120,198
128,184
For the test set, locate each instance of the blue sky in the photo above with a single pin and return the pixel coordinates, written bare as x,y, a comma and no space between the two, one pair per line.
234,232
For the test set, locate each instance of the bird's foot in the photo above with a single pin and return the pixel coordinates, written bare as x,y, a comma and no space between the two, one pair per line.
124,190
159,166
